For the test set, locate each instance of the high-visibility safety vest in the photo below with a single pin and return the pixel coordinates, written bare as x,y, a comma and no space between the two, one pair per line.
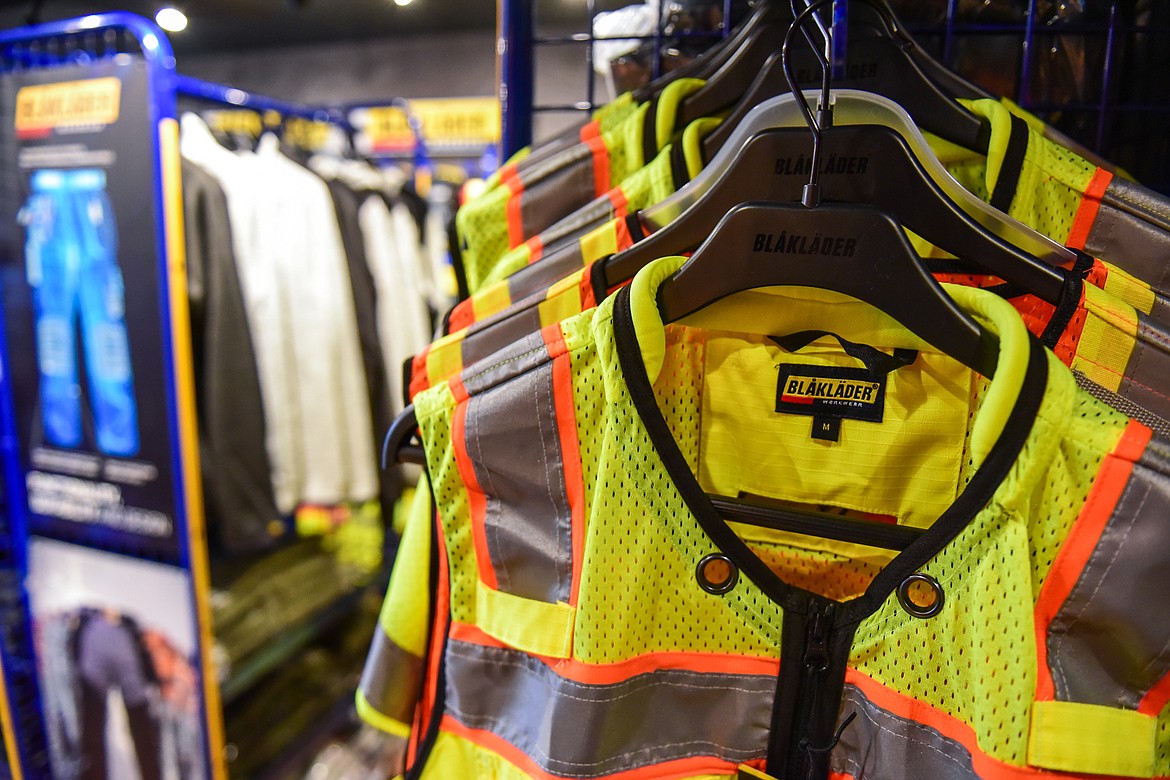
599,619
535,195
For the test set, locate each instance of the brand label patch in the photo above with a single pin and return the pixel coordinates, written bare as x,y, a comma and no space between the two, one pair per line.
830,391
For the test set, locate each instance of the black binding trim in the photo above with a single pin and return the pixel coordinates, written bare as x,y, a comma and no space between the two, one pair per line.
678,166
649,136
597,279
978,492
1070,301
1013,164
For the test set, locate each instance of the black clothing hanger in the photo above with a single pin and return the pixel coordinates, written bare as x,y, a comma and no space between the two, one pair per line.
862,253
765,15
879,61
876,168
397,446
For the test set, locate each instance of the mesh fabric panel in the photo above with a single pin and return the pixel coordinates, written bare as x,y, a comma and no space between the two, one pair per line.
434,409
638,594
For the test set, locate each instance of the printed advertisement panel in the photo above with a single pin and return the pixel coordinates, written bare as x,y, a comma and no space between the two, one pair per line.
117,665
82,301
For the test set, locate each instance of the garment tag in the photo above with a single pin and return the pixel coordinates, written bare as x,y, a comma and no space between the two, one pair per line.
830,394
750,773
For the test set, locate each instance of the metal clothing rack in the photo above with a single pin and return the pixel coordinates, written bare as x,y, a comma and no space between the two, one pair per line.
1118,108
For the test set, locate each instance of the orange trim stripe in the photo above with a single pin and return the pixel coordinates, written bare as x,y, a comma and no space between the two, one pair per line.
509,171
1081,540
950,727
668,770
590,130
621,671
475,495
586,287
439,621
535,249
617,197
566,412
601,183
462,316
419,380
1087,213
1156,698
515,216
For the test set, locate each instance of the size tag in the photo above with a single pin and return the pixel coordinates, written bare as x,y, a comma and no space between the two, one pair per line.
830,394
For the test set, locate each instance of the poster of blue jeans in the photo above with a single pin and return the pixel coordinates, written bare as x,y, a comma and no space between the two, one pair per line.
84,306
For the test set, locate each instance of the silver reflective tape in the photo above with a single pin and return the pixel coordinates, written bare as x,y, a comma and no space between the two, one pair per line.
880,744
513,442
392,679
581,730
1110,641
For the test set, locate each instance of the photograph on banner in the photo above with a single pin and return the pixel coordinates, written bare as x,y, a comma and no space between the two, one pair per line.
116,651
85,349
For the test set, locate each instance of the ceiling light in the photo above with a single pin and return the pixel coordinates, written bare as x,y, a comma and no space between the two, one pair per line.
402,3
171,19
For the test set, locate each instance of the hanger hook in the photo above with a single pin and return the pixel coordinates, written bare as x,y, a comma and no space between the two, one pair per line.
811,195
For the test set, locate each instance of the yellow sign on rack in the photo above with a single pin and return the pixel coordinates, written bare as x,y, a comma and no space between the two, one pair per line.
443,122
45,107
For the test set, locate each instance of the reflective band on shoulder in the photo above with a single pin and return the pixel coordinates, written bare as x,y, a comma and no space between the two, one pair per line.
1074,737
536,627
491,299
1109,642
512,442
579,730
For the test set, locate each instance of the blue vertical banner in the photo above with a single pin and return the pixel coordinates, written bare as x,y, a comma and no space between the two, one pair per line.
100,443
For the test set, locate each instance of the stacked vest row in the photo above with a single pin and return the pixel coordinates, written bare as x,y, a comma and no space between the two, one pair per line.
569,599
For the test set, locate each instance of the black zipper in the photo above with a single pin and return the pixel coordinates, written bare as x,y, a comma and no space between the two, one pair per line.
815,668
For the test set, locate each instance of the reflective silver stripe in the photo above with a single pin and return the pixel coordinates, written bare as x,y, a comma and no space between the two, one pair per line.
392,679
880,744
1147,374
1110,641
553,267
524,355
582,730
494,333
514,445
562,193
1130,231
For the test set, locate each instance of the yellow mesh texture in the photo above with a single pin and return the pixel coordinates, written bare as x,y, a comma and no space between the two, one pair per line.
482,224
976,661
1162,751
482,227
642,188
638,593
434,409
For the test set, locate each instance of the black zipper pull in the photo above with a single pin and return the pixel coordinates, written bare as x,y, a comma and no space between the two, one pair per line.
816,648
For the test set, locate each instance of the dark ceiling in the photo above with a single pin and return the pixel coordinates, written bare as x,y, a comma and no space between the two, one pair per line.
228,24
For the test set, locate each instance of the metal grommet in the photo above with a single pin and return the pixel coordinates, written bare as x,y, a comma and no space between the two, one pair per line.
717,573
915,609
